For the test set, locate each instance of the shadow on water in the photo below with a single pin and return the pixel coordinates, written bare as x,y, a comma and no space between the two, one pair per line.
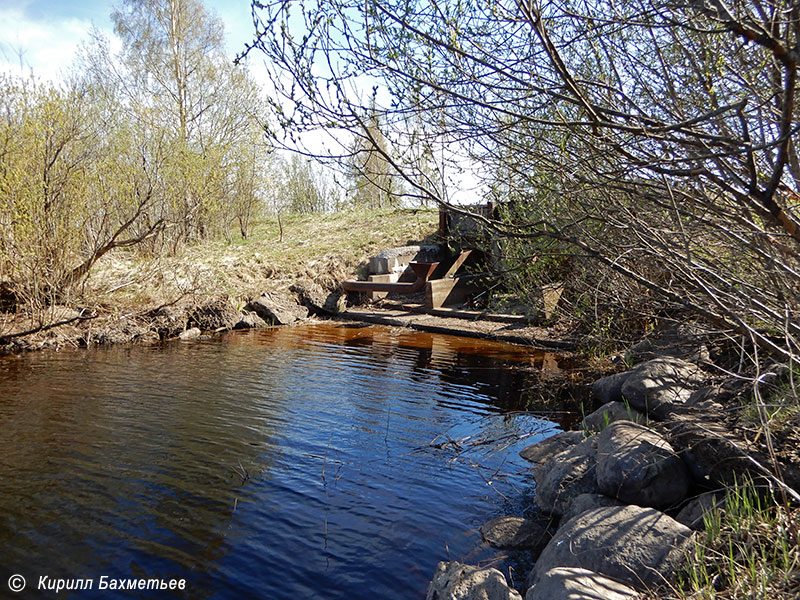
284,463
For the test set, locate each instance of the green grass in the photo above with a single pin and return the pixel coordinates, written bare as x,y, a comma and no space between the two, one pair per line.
352,235
748,550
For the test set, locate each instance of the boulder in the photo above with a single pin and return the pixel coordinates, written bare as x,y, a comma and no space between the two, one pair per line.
319,301
640,547
565,476
719,457
456,581
684,340
250,321
214,315
706,399
277,309
516,533
189,334
638,466
583,502
610,412
713,398
716,456
609,389
693,513
656,386
545,449
565,583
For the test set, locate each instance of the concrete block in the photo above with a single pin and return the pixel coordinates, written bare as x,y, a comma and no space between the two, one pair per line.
397,259
387,278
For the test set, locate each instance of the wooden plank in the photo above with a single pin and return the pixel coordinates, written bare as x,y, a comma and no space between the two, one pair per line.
451,272
441,292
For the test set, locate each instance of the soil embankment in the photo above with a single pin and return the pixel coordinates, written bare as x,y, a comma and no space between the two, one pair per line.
144,298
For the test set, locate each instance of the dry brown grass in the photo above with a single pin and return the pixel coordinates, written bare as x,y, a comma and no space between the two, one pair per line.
325,248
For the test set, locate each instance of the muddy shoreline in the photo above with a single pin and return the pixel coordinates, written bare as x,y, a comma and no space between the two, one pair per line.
64,326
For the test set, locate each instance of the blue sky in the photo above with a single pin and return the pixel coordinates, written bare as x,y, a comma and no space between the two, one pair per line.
43,35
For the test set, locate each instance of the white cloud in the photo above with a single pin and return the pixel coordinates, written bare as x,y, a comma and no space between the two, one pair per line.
47,44
44,48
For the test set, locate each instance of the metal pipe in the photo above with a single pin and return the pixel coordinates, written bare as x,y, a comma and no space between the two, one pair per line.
422,270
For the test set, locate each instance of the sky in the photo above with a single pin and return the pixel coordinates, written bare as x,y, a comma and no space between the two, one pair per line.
43,36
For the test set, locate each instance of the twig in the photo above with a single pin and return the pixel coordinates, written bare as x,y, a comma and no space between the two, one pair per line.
241,472
4,339
489,482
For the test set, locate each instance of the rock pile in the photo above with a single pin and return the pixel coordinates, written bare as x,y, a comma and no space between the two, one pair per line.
187,322
626,492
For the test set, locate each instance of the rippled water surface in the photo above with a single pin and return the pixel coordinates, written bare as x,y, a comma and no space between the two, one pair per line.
325,461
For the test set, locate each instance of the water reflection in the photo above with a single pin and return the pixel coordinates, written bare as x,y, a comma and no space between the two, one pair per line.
276,464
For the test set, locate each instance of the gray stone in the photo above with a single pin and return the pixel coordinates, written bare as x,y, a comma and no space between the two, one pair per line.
214,315
545,449
335,302
717,456
189,334
684,340
707,398
640,351
515,533
318,300
456,581
569,583
658,385
250,320
610,412
640,547
609,389
638,466
277,309
565,476
693,514
583,502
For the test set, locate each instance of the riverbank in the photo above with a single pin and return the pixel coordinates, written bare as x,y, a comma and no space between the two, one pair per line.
131,297
682,483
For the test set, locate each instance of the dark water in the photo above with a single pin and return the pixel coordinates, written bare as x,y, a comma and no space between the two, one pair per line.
290,463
